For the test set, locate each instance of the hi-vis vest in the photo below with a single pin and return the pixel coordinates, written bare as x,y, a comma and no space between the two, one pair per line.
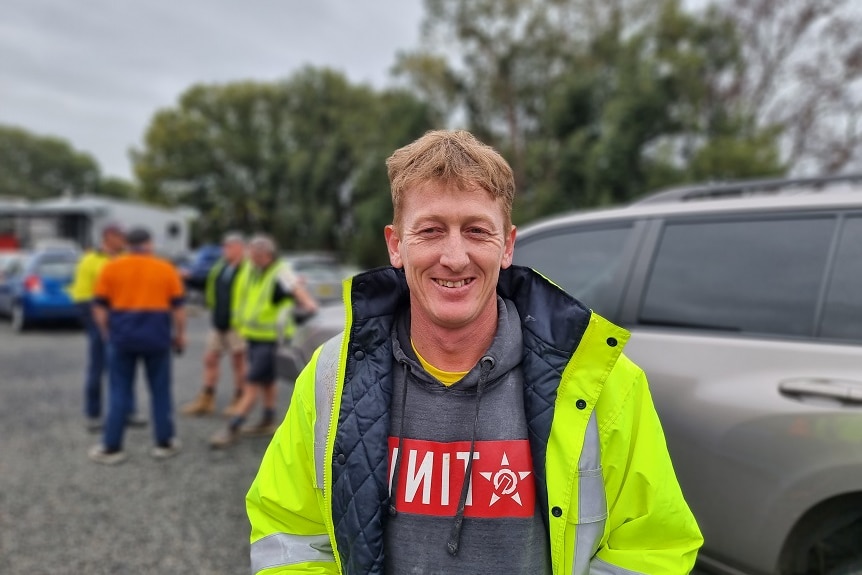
86,274
255,316
210,288
604,479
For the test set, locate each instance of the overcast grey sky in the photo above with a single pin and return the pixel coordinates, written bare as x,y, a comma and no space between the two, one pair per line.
95,71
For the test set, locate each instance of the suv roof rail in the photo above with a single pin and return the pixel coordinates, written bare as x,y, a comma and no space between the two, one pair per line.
742,188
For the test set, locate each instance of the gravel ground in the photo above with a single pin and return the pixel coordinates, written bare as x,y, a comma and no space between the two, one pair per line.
60,513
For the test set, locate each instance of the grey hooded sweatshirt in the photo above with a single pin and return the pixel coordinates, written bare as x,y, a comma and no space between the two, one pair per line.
434,430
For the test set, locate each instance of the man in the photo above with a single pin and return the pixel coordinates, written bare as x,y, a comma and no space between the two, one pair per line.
220,296
473,417
264,311
86,273
139,311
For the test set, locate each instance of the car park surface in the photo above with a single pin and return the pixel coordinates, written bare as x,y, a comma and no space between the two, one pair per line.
60,513
746,314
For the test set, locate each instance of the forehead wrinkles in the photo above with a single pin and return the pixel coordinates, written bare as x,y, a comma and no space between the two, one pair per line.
430,201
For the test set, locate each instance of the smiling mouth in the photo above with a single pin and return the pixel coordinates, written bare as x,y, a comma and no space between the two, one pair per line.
455,284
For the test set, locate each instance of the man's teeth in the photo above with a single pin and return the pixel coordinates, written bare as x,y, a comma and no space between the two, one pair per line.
449,284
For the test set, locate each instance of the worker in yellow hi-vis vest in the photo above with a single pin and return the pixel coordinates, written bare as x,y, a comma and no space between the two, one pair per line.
86,273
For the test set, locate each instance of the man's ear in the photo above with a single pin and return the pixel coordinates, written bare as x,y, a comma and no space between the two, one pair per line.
393,244
509,248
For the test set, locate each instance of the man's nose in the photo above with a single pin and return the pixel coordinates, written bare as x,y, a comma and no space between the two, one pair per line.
454,254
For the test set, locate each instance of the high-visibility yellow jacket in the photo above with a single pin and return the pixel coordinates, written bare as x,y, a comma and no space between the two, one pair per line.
604,476
86,273
254,313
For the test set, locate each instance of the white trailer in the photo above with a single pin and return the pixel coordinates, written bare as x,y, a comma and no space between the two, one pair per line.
82,219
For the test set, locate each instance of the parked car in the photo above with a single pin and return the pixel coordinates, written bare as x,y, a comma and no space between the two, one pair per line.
322,274
745,308
194,270
33,286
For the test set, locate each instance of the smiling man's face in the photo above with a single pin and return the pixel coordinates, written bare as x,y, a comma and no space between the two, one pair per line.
452,244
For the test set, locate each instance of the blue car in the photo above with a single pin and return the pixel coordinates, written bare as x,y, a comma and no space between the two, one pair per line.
195,271
33,287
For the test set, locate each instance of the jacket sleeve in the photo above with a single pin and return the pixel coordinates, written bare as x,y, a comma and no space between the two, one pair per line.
650,527
285,508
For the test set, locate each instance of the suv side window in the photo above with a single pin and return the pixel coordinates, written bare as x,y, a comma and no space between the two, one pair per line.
842,314
744,275
584,262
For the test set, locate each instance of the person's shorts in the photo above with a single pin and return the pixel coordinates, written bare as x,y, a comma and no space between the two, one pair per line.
261,363
225,341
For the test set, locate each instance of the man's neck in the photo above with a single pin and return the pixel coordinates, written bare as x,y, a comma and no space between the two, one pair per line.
456,349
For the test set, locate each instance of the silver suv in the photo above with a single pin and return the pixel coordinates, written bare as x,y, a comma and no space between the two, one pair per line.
745,306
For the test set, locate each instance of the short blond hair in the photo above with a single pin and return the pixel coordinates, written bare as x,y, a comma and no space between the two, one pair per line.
451,157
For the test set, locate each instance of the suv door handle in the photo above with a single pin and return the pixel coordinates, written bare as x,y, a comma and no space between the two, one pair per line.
844,391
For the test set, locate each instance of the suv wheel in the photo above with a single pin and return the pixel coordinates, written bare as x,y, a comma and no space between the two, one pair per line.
19,322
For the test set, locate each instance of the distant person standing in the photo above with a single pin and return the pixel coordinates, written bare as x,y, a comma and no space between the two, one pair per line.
84,283
138,300
268,290
220,295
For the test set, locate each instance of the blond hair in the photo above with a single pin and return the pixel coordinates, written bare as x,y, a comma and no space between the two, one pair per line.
453,157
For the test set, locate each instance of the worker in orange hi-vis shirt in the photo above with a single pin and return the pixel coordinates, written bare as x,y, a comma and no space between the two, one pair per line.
139,309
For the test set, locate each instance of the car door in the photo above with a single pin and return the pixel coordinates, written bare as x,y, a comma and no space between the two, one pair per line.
750,331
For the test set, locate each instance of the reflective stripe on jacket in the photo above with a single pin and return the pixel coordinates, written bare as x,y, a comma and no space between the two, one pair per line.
603,473
254,314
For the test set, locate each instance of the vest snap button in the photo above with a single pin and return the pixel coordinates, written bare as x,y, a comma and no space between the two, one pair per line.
341,459
359,355
581,404
556,511
612,341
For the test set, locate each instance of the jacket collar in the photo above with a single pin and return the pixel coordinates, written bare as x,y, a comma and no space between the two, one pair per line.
552,316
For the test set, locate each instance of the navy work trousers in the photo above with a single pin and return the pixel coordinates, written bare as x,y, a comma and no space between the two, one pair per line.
96,362
122,364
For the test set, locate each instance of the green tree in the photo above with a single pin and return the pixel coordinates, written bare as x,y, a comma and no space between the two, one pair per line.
300,159
649,108
34,167
113,187
596,102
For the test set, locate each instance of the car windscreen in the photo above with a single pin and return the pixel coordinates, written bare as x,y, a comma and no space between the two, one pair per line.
54,266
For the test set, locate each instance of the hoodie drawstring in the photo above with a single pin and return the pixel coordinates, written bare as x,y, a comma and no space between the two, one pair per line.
487,364
396,475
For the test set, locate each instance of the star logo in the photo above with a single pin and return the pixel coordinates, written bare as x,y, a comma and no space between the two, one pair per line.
505,482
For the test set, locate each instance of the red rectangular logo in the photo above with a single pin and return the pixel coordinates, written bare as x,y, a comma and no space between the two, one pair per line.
432,475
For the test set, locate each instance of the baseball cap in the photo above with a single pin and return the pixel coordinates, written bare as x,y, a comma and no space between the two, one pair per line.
138,236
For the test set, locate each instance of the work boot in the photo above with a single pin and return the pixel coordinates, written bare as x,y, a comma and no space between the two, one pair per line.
168,450
233,408
263,427
223,438
100,454
203,404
